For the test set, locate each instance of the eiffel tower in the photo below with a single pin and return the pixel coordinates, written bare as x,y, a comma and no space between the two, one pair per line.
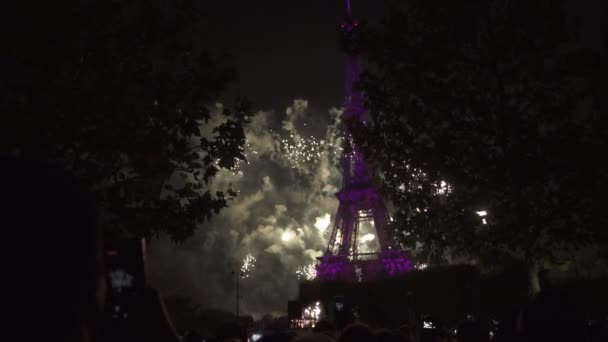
360,200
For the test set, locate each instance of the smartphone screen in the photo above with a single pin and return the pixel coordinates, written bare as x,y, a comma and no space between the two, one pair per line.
125,277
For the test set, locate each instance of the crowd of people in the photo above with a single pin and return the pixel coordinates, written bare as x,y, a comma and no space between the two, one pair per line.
535,324
55,282
552,315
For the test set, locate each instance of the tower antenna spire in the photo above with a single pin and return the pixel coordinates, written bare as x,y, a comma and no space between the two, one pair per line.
360,202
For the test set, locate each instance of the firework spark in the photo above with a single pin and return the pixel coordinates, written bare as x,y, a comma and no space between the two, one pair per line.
239,164
364,248
313,312
248,266
323,222
443,188
302,152
308,272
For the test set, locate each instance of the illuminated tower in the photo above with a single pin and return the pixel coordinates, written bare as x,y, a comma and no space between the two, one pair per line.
360,200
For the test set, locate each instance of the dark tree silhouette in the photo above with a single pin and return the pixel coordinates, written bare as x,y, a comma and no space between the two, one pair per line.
493,101
123,94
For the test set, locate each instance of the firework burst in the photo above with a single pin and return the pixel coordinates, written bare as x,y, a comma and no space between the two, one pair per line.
300,151
308,272
247,266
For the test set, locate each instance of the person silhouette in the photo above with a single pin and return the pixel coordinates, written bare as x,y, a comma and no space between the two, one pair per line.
54,285
52,259
357,332
553,315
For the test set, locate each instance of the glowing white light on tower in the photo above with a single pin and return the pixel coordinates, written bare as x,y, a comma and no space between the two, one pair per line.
322,223
247,266
368,237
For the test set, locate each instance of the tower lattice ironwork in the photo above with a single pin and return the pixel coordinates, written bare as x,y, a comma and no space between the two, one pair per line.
360,199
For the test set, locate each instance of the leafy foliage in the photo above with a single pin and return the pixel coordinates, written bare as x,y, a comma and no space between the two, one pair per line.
123,94
487,98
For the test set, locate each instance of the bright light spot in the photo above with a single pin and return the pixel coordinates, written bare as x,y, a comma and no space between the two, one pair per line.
421,266
308,272
247,266
287,235
368,237
482,213
322,222
483,221
255,337
312,313
121,279
301,151
443,188
359,273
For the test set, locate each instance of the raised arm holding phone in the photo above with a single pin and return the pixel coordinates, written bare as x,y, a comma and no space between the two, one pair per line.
55,285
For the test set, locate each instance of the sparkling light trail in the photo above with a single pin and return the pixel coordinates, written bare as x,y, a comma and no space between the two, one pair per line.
248,266
302,151
443,188
308,272
313,312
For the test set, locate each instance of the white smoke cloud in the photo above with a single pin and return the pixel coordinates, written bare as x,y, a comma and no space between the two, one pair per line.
297,110
281,217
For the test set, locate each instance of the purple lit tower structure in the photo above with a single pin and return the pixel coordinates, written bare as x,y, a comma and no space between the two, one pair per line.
360,200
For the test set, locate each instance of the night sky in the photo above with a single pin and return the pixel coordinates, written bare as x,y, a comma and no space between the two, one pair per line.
286,49
289,65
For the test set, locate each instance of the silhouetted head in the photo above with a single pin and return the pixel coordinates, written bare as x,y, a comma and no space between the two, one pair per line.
470,331
324,327
52,262
278,337
357,333
317,337
229,331
385,335
430,335
193,336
